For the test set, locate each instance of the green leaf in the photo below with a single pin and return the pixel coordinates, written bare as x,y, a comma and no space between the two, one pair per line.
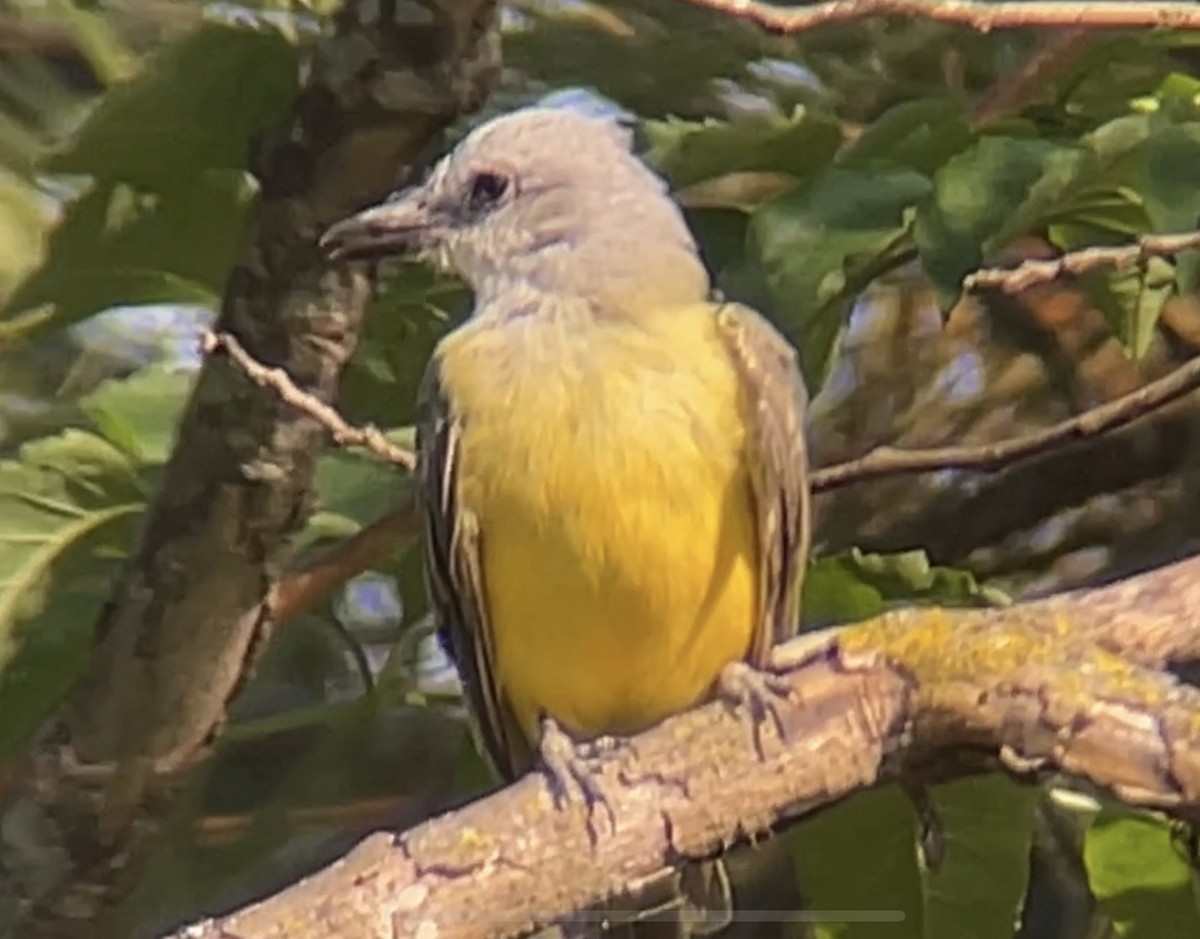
1167,176
721,234
357,487
835,593
851,586
654,60
688,152
1134,174
1178,97
859,857
860,861
412,310
195,108
1139,876
21,227
120,246
139,414
820,246
975,196
1132,300
67,508
921,135
1115,71
978,891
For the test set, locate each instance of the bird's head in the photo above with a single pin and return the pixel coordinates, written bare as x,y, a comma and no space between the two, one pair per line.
546,198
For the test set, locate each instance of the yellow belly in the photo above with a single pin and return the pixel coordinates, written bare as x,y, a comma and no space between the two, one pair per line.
619,549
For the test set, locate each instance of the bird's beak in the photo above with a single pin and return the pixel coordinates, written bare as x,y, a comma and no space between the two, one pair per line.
396,227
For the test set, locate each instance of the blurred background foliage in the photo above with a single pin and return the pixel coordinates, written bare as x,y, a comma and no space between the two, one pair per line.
844,181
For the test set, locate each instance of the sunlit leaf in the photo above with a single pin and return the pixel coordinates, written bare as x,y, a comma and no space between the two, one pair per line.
1140,877
22,227
1132,300
68,504
852,585
120,246
195,108
139,413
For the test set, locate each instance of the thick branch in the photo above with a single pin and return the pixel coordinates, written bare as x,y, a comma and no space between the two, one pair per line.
983,15
915,691
181,631
1150,619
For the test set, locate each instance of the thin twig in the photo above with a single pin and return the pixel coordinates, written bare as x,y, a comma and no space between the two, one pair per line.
889,461
343,433
301,589
1012,92
1030,273
982,15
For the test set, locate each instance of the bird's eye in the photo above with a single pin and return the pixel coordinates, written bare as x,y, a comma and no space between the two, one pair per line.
487,189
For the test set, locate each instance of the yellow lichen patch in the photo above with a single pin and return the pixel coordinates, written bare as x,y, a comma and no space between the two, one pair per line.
983,648
471,837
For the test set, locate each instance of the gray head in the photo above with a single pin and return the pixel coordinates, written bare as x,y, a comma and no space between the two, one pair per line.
544,199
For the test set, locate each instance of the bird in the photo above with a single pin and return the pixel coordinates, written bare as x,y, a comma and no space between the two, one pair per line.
611,458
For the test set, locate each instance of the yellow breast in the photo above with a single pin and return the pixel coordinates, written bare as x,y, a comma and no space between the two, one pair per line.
604,462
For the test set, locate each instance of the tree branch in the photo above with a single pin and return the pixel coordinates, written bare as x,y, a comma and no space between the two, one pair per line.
182,629
276,379
1030,273
914,693
878,463
302,589
299,590
890,461
981,15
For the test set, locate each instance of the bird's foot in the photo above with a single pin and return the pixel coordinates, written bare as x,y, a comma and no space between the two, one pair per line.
572,775
760,692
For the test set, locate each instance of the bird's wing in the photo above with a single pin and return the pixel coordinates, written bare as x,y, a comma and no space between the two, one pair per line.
775,403
455,580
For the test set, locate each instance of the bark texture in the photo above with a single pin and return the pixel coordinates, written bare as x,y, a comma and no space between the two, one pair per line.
180,634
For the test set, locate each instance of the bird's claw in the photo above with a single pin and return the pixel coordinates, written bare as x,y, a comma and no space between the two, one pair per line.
761,692
572,780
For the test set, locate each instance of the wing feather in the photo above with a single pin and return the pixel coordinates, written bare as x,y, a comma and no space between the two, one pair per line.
778,456
455,580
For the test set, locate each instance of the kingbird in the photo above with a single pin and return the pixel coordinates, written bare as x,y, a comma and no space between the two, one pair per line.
612,461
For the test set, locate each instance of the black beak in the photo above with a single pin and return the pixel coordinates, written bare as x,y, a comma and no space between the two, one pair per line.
392,228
